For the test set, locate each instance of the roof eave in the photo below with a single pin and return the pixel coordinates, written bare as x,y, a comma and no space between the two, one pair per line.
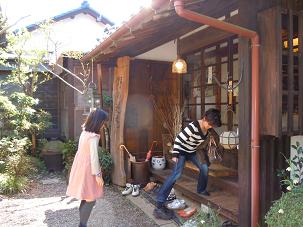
134,21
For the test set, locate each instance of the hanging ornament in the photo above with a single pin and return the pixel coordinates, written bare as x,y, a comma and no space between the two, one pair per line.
229,139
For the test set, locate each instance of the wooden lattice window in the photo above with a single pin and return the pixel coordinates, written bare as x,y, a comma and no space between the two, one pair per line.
200,92
292,72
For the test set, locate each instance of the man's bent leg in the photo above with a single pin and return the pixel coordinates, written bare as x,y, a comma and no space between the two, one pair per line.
203,175
170,181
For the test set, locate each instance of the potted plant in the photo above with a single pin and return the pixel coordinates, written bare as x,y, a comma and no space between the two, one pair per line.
52,155
106,163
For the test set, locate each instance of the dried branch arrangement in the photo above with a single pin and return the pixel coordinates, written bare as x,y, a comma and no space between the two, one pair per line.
169,113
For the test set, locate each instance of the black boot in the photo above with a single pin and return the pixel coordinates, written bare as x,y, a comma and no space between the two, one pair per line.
163,213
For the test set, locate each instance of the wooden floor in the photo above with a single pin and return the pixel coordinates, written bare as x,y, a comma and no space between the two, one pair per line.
223,192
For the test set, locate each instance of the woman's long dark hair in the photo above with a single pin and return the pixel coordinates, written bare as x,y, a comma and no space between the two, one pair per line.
95,120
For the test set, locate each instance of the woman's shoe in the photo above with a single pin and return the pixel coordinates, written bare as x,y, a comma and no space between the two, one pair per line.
135,191
128,189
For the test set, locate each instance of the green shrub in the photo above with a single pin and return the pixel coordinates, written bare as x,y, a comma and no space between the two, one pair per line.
20,115
2,166
19,165
40,144
15,165
287,211
11,185
69,151
106,163
38,164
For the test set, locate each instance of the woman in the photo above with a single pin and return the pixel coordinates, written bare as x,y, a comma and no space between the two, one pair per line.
85,181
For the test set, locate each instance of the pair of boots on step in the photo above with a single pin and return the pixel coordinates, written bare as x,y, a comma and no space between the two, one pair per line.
85,209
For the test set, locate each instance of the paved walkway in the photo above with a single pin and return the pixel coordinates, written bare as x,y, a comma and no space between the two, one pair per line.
46,205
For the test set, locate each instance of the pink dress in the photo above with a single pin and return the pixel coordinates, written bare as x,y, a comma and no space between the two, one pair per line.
82,181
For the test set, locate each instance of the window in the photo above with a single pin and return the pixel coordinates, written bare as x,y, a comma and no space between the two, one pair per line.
200,90
290,74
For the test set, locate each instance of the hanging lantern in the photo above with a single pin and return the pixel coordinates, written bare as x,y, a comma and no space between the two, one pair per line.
92,97
229,139
179,66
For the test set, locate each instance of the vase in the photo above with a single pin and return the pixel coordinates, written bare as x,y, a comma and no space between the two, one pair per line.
158,162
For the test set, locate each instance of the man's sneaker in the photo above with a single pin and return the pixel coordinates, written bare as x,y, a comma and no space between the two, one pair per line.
176,204
135,191
163,213
206,193
171,195
128,189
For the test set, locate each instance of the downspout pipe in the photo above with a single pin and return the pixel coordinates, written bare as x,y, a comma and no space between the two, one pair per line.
255,134
124,29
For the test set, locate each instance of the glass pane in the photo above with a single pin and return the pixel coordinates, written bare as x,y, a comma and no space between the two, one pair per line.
284,113
224,72
296,113
235,70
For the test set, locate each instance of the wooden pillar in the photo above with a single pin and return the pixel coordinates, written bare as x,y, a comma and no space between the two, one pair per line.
120,94
247,14
269,23
99,79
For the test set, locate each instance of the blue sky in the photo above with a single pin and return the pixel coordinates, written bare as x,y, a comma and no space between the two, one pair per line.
115,10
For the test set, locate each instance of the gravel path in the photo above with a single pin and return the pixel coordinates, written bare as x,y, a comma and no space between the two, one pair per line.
46,205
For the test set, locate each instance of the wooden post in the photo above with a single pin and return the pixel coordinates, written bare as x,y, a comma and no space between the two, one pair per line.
247,14
99,79
120,94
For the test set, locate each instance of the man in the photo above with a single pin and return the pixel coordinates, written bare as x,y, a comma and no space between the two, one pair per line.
185,147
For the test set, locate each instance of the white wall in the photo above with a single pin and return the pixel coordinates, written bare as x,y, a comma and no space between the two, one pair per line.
77,34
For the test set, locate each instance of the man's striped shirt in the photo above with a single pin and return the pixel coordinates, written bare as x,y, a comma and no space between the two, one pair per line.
188,139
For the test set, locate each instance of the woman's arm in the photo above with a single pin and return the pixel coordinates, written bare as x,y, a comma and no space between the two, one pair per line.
94,158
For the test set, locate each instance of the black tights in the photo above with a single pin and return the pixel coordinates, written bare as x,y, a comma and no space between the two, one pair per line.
85,210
